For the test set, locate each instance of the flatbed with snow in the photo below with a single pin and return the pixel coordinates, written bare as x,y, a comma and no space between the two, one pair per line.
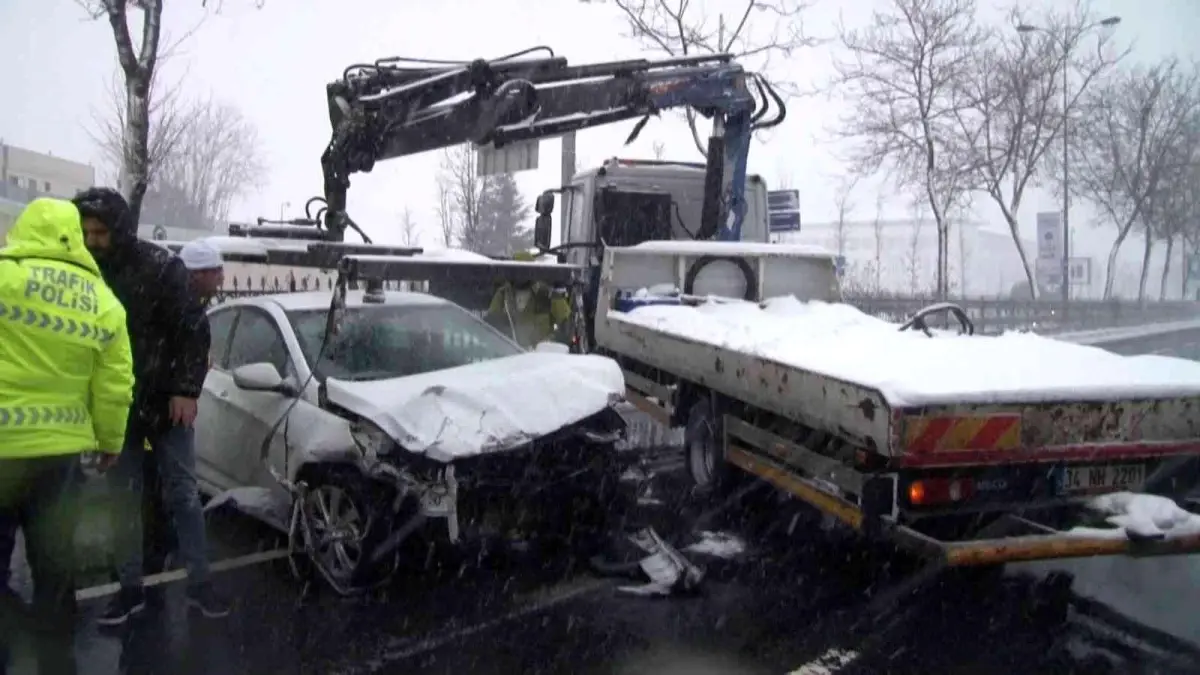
973,449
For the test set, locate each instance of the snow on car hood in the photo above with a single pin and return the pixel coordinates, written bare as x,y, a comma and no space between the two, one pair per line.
484,407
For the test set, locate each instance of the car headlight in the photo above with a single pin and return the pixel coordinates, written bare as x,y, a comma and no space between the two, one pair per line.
370,439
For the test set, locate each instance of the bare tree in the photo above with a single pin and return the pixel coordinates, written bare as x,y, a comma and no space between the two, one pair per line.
447,223
168,124
759,30
877,231
845,206
1124,148
138,64
1170,210
465,189
659,149
202,155
1012,105
912,262
218,159
902,75
410,232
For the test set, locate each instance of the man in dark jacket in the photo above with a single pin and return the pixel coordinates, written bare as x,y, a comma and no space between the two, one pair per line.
169,333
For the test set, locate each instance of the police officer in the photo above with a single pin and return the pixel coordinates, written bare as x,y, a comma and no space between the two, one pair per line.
66,383
529,312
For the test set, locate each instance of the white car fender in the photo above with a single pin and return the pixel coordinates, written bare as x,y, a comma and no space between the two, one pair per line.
319,437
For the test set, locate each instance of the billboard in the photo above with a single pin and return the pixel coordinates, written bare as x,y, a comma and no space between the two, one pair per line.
1049,235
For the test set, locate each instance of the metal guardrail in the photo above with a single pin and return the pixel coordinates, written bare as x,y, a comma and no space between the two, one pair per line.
993,316
990,315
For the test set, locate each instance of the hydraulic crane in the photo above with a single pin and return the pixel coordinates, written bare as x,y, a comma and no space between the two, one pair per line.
397,107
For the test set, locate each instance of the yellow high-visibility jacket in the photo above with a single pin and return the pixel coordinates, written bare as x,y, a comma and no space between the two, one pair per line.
66,369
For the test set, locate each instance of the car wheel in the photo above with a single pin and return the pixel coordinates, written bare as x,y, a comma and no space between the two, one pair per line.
339,510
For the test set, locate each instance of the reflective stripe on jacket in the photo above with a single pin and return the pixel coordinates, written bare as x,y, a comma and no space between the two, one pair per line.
66,371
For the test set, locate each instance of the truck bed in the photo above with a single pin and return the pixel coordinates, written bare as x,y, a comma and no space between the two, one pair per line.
939,400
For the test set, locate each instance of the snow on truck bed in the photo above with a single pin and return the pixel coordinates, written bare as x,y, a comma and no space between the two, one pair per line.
911,369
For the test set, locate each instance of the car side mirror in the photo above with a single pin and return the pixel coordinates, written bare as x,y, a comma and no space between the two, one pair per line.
541,232
260,377
544,204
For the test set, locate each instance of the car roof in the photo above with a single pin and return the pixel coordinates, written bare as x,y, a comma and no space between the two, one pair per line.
315,300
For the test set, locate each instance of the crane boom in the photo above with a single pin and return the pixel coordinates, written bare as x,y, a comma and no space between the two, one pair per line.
399,107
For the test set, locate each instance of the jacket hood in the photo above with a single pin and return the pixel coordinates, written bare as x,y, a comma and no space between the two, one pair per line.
49,228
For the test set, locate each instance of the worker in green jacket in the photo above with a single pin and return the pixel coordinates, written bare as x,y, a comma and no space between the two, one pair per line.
529,312
66,384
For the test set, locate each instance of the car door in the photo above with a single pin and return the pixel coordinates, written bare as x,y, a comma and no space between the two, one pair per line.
211,409
250,417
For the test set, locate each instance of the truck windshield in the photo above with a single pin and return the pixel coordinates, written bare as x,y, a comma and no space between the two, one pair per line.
376,342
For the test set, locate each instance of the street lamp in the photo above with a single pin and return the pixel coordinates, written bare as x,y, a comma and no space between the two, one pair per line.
1066,196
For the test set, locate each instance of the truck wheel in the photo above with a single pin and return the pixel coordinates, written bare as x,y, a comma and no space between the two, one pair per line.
702,443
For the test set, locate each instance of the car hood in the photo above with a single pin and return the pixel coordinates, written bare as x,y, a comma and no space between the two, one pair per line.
484,407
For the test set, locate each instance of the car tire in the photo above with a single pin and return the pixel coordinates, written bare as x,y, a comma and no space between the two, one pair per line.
342,512
705,458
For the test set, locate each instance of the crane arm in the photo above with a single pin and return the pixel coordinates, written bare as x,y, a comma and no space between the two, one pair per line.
395,107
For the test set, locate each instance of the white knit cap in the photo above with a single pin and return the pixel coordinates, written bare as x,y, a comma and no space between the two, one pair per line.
201,255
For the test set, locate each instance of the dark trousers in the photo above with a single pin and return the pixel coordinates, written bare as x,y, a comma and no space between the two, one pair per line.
158,537
39,495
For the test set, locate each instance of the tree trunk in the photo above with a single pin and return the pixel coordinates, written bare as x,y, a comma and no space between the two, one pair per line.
1034,290
136,169
1145,268
1110,274
1162,287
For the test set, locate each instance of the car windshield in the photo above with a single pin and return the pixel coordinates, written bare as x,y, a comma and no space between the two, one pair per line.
376,342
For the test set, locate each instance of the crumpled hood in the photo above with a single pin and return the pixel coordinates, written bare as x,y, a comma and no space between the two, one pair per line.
484,407
49,229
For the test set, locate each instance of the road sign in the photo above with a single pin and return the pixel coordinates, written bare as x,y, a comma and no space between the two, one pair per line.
1079,271
1049,235
513,157
1049,271
783,210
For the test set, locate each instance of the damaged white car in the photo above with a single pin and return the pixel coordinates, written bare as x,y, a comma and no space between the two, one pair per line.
405,414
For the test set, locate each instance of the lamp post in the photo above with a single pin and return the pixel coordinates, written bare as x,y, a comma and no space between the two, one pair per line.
1066,146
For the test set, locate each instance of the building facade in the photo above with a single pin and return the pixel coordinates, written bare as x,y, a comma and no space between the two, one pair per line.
26,174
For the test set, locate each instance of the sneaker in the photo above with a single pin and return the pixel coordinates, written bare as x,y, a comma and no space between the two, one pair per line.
127,603
205,600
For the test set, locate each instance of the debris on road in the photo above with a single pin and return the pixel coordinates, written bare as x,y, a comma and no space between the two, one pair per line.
718,545
258,502
1140,516
667,570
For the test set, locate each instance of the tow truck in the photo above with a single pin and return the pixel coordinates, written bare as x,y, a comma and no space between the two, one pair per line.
961,480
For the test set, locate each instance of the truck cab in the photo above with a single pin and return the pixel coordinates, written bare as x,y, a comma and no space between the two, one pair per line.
625,202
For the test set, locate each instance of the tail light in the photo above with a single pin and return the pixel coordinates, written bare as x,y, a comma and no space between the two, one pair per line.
939,491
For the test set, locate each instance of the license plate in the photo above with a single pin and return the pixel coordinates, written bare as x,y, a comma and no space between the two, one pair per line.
1103,478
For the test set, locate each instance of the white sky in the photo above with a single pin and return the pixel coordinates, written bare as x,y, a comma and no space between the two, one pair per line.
274,63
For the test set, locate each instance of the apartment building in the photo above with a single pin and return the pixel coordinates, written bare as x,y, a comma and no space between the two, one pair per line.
26,175
37,173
